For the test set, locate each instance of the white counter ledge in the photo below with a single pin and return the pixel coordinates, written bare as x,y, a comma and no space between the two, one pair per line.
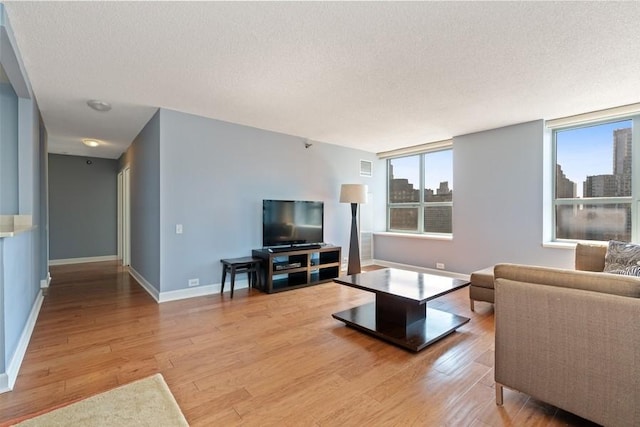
11,225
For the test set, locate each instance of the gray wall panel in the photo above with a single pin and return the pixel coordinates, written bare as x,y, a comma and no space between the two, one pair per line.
143,158
82,211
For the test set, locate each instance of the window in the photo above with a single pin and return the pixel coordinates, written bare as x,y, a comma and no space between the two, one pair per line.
420,193
594,182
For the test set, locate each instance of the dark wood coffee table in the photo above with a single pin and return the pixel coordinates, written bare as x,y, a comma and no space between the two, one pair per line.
399,314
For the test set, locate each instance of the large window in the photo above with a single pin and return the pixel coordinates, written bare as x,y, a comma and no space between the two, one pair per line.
594,182
420,193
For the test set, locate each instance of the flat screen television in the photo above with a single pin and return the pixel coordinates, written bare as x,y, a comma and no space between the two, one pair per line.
292,222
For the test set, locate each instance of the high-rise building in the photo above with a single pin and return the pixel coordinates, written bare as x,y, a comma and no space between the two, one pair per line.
565,188
437,219
622,144
442,194
402,191
600,186
619,183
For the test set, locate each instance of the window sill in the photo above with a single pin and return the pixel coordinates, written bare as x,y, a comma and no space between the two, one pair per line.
559,245
446,237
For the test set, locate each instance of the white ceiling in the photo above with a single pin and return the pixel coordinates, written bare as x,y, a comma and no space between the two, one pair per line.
370,75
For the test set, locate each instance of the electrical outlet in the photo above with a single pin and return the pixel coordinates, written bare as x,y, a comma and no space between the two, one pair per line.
194,282
178,228
440,265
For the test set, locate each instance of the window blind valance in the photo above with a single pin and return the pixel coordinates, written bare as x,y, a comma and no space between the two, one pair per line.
416,149
594,116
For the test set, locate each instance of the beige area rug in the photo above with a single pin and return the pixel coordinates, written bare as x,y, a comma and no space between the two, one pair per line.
146,402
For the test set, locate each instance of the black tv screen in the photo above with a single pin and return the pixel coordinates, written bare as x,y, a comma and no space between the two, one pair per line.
292,222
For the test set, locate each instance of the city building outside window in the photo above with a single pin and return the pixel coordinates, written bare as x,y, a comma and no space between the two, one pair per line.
594,183
420,193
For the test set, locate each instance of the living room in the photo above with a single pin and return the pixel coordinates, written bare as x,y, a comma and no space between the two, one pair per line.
209,174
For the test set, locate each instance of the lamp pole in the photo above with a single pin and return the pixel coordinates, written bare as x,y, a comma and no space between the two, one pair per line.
353,194
354,247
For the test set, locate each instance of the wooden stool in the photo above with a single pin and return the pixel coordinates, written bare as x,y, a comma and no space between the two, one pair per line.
248,265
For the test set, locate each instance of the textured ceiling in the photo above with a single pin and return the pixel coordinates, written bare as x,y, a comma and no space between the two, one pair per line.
370,75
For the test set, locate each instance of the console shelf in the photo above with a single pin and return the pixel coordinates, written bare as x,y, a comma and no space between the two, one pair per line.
297,268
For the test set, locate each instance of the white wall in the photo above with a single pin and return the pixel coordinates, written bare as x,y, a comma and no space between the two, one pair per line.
497,214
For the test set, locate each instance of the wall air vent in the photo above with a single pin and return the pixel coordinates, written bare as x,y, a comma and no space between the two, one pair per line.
366,168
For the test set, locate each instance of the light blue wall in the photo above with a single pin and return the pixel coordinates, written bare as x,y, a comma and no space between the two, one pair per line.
3,346
28,154
20,266
20,293
497,199
214,176
8,150
143,158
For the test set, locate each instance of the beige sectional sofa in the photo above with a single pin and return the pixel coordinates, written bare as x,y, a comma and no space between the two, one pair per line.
588,257
570,338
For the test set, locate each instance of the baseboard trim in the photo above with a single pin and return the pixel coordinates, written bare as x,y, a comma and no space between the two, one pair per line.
200,291
145,284
44,283
421,269
179,294
82,260
8,379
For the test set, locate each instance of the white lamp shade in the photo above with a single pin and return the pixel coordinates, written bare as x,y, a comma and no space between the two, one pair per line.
353,193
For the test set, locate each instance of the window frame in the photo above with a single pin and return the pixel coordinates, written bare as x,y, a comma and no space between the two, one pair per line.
631,200
421,204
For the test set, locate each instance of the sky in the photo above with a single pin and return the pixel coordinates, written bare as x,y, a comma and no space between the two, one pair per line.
587,151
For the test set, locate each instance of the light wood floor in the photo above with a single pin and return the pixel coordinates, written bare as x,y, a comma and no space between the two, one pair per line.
260,359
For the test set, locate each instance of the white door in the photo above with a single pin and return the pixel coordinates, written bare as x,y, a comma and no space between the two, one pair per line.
124,217
120,207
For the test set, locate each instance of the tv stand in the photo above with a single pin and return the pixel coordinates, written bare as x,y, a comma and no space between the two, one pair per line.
297,267
293,247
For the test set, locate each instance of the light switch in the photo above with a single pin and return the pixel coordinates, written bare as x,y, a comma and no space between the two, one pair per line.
178,228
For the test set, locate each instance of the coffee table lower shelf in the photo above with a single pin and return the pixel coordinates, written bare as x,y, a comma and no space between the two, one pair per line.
437,324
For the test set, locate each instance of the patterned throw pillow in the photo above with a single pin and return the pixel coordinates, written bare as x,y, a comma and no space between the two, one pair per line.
622,258
634,270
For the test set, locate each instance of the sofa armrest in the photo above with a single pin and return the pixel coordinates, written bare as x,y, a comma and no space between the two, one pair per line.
586,280
576,349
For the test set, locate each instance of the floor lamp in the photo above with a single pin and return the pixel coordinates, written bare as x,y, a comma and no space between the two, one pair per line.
354,194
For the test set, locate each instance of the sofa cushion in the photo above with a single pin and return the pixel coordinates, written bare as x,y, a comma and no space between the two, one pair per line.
590,256
621,255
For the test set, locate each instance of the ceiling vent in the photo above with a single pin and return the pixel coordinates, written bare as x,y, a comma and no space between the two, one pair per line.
366,168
